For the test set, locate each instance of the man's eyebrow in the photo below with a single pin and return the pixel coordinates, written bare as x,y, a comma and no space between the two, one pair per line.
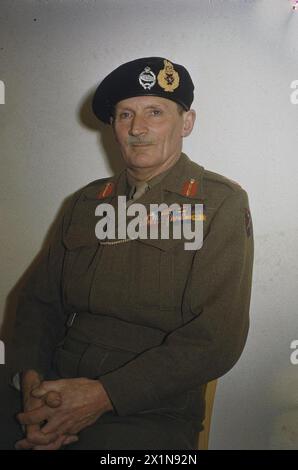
154,106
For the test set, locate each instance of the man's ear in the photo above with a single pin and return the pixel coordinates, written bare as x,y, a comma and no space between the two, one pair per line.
189,118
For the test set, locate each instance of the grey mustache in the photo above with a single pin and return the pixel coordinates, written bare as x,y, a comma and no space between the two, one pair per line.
136,140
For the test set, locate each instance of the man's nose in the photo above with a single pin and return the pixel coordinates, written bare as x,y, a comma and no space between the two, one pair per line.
138,126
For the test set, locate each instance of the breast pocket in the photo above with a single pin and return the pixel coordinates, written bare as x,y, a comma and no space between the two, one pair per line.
78,272
152,279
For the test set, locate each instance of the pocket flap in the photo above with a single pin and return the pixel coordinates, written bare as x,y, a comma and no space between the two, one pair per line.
164,245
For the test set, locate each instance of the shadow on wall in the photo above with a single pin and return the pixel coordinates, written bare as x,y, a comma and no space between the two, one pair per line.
114,160
107,141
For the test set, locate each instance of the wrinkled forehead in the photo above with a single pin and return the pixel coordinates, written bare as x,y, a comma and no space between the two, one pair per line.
142,102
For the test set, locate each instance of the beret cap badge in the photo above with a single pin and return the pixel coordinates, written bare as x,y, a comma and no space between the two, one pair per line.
147,78
168,78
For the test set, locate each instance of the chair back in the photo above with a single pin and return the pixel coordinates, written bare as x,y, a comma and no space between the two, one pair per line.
210,389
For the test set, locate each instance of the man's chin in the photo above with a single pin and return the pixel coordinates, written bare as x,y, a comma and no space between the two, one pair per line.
141,160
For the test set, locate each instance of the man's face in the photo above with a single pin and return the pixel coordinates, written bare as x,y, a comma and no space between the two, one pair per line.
149,130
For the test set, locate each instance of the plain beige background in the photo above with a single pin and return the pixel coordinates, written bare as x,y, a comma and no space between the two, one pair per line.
242,56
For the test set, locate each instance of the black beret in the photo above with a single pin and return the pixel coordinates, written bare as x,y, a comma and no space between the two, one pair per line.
152,76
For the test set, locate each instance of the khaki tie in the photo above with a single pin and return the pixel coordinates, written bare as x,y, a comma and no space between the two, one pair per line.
140,188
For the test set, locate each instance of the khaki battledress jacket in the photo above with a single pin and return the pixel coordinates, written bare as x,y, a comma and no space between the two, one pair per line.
155,322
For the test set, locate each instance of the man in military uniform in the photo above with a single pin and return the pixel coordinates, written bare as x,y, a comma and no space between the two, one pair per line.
126,331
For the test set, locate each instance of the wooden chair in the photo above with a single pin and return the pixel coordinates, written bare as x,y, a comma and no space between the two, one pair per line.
209,398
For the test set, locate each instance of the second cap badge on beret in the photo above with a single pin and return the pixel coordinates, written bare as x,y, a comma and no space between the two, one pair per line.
168,78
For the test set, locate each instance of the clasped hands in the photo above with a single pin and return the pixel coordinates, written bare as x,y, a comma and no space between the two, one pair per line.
56,411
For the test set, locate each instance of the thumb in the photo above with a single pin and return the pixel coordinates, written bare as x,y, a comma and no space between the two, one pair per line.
45,387
40,391
53,399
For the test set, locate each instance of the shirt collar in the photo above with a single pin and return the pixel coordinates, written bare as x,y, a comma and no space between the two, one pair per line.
131,181
173,179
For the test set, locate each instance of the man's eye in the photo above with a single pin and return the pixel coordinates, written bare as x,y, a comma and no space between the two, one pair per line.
156,112
124,115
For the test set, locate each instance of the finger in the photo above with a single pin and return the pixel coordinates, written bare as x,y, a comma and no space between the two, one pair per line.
31,377
53,446
53,399
59,423
23,444
26,444
39,438
35,435
70,439
35,416
61,441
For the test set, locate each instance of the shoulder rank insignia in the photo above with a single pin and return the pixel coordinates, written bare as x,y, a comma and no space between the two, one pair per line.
106,191
190,188
168,78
